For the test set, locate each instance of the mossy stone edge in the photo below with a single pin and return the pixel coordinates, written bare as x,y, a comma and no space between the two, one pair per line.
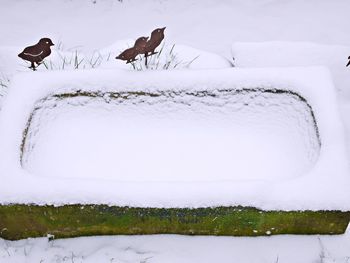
19,221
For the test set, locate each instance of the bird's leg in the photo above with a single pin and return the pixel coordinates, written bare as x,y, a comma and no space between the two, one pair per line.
32,66
131,60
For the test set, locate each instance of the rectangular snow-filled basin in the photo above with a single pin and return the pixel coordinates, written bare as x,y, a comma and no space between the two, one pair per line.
224,152
172,136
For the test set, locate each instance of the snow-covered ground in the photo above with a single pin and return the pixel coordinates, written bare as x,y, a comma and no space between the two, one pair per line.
179,249
211,27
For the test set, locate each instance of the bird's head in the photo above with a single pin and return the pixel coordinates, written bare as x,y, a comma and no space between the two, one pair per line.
121,56
46,41
158,31
141,40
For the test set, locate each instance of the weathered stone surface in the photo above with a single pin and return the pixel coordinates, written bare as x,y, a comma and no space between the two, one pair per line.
23,221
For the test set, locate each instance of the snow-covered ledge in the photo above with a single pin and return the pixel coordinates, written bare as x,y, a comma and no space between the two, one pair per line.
211,152
323,186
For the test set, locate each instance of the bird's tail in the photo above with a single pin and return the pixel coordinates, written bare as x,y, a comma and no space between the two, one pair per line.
348,63
21,55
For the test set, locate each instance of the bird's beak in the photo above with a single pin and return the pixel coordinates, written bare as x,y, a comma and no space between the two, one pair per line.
52,44
348,63
163,28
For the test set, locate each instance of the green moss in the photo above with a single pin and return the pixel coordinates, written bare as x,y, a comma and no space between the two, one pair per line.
22,221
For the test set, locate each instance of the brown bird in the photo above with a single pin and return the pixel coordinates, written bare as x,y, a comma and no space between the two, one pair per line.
348,62
140,44
130,54
37,53
157,37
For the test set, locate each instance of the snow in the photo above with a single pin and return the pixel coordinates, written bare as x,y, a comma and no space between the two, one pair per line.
291,54
207,25
204,24
180,56
178,138
173,248
305,190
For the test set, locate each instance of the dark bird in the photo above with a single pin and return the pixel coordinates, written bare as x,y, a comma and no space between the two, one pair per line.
348,62
157,37
37,53
140,44
130,54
